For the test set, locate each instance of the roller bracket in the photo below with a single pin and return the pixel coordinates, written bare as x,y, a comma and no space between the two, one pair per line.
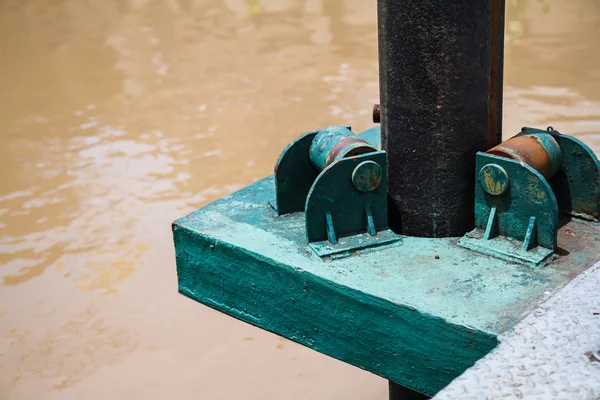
339,181
523,183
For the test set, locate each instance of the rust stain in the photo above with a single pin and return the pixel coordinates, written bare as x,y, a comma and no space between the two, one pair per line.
348,147
526,149
489,182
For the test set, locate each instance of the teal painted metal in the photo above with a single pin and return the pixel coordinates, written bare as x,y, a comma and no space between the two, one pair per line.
493,179
505,217
346,200
517,209
528,195
418,313
404,309
333,192
524,251
294,175
577,183
552,149
372,136
334,143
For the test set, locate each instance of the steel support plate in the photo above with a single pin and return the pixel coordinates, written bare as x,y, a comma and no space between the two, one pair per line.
505,248
350,244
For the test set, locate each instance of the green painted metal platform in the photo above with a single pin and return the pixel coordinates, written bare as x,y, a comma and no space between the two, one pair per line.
418,312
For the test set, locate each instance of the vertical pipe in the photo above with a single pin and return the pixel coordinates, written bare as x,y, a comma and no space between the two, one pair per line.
440,66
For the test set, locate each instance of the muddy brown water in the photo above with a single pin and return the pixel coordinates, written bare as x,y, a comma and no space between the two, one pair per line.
118,116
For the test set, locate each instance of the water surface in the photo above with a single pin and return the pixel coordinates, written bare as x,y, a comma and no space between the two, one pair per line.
118,117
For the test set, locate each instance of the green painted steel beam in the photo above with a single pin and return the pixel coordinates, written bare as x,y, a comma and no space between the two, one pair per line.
418,312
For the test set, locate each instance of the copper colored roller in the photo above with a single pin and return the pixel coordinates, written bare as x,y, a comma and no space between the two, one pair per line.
540,152
336,142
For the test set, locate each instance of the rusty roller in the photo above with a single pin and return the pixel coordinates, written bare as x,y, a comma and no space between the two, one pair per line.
334,143
539,151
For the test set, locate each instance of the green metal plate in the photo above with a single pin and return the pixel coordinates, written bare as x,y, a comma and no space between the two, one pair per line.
349,245
418,314
528,195
505,248
577,184
294,175
333,192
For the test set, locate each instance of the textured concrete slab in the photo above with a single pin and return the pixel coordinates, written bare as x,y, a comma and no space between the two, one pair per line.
553,353
418,312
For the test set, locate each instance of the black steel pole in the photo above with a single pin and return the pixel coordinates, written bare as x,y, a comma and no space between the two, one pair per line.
440,66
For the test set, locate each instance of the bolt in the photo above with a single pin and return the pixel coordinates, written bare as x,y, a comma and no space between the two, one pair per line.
367,176
376,113
493,179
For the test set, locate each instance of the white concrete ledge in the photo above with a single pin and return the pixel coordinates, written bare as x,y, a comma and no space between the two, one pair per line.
547,355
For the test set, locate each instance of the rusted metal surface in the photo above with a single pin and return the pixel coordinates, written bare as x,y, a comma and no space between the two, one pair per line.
367,176
493,179
523,183
336,142
577,184
496,81
341,206
517,222
441,102
540,152
376,113
238,257
294,175
338,179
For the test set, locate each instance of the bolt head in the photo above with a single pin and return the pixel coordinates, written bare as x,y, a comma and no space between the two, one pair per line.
493,179
367,176
376,113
